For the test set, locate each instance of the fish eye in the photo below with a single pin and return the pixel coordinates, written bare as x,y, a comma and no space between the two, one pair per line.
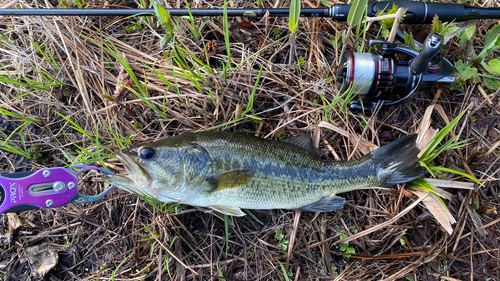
146,153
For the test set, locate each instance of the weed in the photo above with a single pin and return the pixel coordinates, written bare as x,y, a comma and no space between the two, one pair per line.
79,4
10,146
282,242
165,21
433,151
386,24
491,68
137,27
220,272
48,81
345,247
491,42
466,35
143,91
443,28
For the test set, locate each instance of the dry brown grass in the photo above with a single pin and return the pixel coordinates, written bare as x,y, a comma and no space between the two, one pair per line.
111,237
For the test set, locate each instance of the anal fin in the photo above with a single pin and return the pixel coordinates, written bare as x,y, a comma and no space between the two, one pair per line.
221,217
325,204
228,210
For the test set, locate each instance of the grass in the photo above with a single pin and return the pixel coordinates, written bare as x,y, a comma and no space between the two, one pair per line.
58,107
433,151
243,115
293,24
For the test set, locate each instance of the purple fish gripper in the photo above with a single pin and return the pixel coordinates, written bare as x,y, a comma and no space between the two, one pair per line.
45,188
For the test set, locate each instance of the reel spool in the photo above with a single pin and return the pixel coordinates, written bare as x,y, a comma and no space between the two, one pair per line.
395,75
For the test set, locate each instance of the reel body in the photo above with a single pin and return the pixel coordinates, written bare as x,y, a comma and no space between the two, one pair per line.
396,74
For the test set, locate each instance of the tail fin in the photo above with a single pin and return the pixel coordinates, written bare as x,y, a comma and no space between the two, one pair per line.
398,161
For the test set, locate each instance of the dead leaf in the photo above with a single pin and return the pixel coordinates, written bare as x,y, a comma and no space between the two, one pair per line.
425,132
14,222
211,47
451,184
238,111
42,258
249,26
436,207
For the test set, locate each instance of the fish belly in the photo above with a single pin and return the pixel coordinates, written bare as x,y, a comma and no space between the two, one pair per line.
265,193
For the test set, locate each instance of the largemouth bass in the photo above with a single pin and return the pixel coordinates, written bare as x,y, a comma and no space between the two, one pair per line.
231,171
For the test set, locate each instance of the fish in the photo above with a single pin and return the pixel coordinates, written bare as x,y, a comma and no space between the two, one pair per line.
228,172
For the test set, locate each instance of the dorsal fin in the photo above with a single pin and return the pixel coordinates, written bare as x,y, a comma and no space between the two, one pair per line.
305,141
230,179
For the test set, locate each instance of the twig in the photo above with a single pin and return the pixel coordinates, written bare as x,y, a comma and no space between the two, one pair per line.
379,18
382,225
395,26
293,234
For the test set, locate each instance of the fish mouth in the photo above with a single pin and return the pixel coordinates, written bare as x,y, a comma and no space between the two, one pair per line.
135,174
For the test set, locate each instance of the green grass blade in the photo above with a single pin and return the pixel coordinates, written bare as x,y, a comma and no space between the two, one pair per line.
448,170
14,149
294,16
226,226
253,216
283,270
3,37
5,112
8,80
193,25
426,185
118,267
250,101
226,35
77,127
440,136
357,11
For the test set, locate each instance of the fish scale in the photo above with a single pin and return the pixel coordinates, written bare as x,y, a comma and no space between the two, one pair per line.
230,171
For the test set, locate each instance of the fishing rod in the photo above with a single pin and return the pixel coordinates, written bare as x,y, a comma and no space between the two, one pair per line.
418,12
392,76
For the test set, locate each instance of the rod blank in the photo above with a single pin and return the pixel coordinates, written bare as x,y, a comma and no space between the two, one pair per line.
417,12
322,12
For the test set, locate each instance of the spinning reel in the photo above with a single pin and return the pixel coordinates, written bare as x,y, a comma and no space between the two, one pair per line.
395,75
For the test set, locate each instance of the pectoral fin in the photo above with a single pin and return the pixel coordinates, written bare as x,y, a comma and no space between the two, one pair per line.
230,179
325,204
305,141
228,210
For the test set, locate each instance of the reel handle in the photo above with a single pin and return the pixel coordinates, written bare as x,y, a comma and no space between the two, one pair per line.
431,47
